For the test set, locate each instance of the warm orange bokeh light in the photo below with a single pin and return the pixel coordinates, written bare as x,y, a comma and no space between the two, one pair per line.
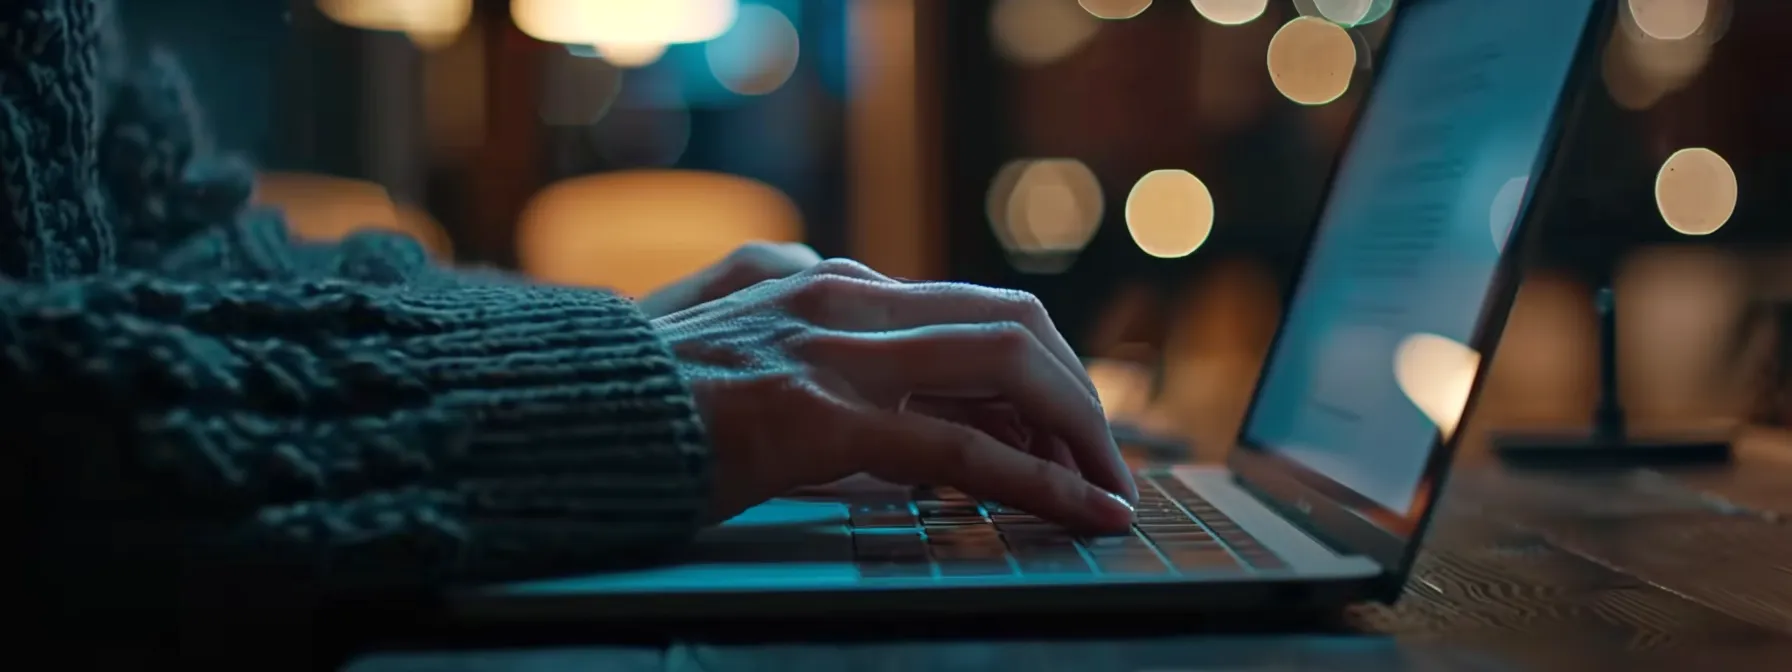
636,231
1169,213
1696,191
429,22
325,207
593,22
1231,12
1436,374
1115,9
1311,60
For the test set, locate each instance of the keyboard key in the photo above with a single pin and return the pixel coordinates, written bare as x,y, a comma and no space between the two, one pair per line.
974,552
993,509
1146,518
1200,559
966,541
1071,563
1034,531
1026,544
1005,519
977,537
1114,544
934,507
892,547
1183,539
1136,562
1184,527
882,515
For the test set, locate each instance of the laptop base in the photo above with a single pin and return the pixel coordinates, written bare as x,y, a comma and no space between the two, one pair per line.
795,559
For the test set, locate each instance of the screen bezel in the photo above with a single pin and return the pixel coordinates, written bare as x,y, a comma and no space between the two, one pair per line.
1335,513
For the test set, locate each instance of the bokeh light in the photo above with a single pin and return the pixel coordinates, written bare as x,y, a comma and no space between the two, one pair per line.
1696,191
1668,19
431,23
1044,211
623,21
433,41
1660,47
1311,60
1436,374
630,54
1347,13
758,55
1032,32
1502,214
1124,387
1169,213
1114,9
1231,12
326,208
1343,12
635,231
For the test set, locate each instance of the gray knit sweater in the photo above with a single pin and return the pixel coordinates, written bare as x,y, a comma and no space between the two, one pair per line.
190,399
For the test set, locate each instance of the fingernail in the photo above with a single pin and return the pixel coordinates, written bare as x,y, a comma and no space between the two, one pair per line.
1112,507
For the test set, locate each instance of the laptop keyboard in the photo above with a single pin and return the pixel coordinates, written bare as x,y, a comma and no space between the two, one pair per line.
942,533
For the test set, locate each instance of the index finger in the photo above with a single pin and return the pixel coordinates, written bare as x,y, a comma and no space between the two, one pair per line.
1006,360
918,449
919,304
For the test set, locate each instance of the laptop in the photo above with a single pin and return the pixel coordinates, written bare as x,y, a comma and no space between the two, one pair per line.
1325,498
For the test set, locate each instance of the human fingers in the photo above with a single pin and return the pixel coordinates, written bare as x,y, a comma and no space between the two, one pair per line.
847,268
747,265
995,418
910,305
753,263
917,449
983,360
1056,451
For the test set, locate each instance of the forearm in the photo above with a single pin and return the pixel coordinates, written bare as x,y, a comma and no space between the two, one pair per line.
346,437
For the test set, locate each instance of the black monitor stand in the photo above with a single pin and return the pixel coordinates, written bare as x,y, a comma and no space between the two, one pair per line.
1609,443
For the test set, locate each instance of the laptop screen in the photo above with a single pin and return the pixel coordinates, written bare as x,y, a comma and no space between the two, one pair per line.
1372,362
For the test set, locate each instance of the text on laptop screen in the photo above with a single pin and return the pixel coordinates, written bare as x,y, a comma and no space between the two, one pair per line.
1372,361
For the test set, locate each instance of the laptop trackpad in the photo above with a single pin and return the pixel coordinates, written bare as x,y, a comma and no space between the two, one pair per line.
782,543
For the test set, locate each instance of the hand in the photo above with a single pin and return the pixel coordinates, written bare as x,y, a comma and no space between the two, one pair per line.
746,266
802,381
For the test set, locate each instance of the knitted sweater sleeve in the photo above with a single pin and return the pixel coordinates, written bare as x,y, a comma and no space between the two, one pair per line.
195,402
341,438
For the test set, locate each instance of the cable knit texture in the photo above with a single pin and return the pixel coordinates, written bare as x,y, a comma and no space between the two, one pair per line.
197,403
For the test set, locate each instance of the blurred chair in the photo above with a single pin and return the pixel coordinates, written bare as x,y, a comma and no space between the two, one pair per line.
325,207
635,231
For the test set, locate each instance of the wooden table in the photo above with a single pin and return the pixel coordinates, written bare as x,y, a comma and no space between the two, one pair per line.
1632,570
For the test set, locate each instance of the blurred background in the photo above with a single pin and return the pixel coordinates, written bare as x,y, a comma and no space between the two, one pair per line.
1149,168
